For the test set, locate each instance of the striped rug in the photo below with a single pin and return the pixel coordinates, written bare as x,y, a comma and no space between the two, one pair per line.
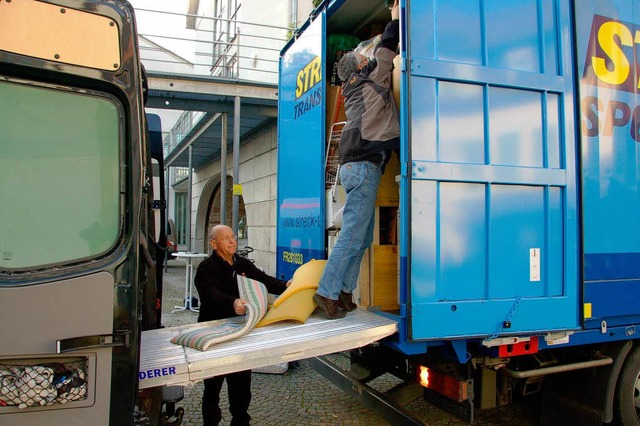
255,293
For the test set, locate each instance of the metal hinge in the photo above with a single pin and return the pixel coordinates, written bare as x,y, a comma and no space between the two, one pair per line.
489,343
119,338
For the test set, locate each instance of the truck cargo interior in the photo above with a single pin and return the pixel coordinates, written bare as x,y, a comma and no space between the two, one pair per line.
355,25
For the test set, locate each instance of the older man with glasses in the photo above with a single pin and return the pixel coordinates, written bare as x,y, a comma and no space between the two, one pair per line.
216,281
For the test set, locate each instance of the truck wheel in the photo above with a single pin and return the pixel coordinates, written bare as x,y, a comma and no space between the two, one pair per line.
628,390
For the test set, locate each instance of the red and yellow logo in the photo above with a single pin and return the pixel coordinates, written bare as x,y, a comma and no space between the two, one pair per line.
611,62
612,59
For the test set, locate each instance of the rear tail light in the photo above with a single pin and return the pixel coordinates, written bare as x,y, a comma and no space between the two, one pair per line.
449,386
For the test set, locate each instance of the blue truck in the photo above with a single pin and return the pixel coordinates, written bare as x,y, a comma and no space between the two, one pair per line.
507,242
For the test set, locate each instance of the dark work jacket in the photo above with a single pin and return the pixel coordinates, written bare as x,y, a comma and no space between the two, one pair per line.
217,285
372,119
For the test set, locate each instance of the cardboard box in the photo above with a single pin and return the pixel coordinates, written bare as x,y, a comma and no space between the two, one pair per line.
389,191
384,292
335,107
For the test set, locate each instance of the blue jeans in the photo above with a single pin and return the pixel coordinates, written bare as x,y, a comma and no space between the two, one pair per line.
360,180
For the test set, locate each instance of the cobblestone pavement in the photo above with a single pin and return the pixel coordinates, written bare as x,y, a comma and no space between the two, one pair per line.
302,396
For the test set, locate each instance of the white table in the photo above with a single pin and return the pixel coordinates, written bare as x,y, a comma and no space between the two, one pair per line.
188,285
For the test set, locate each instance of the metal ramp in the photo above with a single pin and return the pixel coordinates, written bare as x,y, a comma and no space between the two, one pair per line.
164,363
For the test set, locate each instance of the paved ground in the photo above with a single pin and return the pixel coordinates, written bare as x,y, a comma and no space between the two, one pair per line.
302,396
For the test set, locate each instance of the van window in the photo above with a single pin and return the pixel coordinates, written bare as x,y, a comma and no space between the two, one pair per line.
59,175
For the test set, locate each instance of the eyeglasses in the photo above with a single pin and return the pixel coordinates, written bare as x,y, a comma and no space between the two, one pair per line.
229,238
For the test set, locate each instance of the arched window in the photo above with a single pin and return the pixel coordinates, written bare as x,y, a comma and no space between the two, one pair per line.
213,211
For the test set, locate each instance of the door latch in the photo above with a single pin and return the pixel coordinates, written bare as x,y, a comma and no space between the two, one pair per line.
119,338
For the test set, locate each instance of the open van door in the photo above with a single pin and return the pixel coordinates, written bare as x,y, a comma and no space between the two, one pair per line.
72,259
301,118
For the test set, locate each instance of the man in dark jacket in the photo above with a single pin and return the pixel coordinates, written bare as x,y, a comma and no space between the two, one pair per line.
216,281
371,132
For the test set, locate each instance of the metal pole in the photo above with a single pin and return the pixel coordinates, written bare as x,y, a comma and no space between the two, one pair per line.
167,184
227,71
237,188
189,193
294,15
602,360
223,171
238,54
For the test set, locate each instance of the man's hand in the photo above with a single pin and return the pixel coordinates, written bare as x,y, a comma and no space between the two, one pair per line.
238,306
395,11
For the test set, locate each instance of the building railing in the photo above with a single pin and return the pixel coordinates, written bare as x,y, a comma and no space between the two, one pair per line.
181,128
179,174
216,47
207,46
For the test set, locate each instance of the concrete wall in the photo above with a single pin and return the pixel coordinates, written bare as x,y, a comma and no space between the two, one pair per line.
258,162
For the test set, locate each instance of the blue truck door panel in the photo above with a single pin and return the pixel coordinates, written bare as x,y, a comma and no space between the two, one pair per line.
607,64
301,110
492,169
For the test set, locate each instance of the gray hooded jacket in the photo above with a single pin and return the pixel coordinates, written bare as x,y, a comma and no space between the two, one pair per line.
372,119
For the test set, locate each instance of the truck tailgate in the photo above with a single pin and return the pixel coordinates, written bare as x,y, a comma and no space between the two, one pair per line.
164,363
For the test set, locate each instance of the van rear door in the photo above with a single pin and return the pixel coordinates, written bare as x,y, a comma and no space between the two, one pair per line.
71,178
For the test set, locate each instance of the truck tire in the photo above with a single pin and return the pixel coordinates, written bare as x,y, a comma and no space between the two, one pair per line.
627,399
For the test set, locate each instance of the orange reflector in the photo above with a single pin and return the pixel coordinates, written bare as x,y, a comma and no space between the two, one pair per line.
445,385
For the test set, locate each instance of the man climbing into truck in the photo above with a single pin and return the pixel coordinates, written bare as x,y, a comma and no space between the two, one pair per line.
371,132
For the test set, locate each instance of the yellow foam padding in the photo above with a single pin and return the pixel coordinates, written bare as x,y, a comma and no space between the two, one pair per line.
296,302
296,308
306,276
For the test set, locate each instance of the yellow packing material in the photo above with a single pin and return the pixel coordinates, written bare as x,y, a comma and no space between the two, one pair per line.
296,308
306,276
296,302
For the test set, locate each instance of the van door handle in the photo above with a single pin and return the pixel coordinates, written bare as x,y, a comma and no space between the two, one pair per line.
119,338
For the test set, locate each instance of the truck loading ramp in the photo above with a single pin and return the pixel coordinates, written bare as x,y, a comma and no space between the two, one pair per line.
164,363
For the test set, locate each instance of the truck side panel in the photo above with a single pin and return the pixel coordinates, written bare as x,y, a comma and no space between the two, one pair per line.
301,106
608,74
492,151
